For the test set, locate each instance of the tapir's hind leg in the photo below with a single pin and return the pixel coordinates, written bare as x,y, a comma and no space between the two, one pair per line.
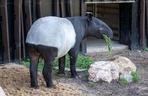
62,65
48,54
34,56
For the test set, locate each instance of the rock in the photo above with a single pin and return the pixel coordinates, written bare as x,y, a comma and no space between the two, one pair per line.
111,70
126,67
2,93
103,70
124,64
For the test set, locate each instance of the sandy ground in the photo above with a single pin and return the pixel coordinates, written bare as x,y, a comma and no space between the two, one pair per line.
16,82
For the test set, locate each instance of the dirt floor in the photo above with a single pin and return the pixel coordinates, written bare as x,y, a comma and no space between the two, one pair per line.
15,81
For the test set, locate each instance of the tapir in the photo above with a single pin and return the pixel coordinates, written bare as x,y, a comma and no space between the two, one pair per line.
53,37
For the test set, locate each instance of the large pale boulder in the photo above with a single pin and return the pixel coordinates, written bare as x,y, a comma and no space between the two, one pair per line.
103,70
110,70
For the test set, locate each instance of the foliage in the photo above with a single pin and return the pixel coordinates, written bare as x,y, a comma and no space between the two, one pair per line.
123,81
135,76
146,49
108,43
83,62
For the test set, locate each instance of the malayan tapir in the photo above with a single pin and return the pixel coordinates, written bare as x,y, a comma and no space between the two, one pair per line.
53,37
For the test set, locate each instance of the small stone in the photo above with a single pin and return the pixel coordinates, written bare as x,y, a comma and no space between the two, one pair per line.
2,93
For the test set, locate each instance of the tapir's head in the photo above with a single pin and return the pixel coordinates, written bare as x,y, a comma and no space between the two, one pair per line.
96,27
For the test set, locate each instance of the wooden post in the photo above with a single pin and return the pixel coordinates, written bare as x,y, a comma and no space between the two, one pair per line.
83,47
5,31
28,15
34,3
63,8
22,36
142,24
71,7
146,27
17,28
134,36
38,7
125,24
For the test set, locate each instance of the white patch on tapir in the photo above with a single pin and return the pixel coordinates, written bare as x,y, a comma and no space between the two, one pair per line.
53,32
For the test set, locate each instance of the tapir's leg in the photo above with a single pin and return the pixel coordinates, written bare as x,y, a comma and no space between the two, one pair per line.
48,53
33,55
73,58
62,65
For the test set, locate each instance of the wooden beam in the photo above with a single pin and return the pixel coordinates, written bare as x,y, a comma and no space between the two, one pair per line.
134,36
83,47
146,31
27,14
63,8
22,36
5,31
38,6
34,10
17,28
108,2
142,24
125,23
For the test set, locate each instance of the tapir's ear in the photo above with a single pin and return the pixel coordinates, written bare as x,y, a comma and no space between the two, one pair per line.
89,15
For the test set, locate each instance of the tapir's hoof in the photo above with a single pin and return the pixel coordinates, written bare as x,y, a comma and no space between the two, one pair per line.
61,73
51,86
35,86
75,76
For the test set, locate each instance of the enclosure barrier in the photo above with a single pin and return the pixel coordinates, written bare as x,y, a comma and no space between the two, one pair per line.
16,17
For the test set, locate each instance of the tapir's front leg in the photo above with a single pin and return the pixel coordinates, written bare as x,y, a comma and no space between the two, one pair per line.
73,59
62,65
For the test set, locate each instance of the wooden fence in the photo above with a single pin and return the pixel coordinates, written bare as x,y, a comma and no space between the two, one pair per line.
16,17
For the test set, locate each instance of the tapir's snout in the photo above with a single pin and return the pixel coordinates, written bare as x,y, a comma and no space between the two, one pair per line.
107,31
110,33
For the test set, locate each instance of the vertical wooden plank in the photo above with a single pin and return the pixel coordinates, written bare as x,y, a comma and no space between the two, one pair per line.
125,24
46,8
56,7
5,31
38,7
33,7
63,8
71,7
142,24
17,28
146,21
22,36
27,14
134,36
83,47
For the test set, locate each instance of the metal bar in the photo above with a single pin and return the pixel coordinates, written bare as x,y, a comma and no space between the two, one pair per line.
5,31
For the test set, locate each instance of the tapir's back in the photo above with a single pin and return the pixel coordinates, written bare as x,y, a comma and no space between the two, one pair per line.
53,32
